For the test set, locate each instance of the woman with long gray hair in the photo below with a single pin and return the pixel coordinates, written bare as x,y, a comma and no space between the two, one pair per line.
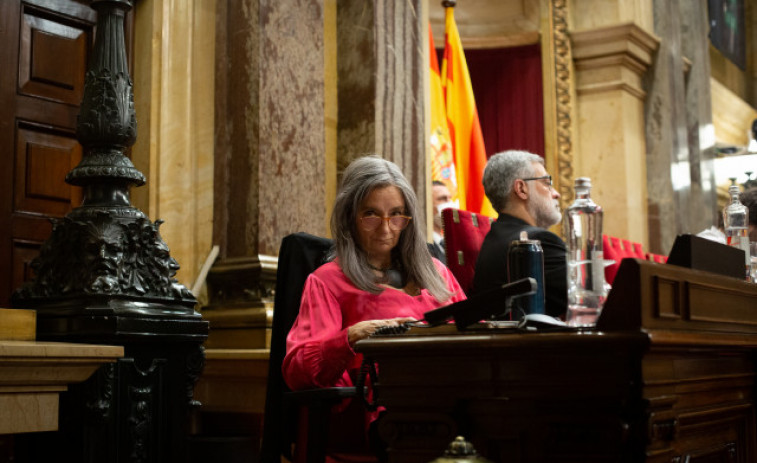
381,274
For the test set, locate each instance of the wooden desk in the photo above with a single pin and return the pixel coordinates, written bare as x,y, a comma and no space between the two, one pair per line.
668,376
33,374
233,380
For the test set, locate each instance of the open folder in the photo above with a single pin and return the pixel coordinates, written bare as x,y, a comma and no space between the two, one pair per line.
481,306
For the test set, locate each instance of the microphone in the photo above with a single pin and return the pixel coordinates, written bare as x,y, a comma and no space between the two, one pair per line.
481,306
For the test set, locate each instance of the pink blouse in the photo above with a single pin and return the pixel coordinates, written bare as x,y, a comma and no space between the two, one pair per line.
318,353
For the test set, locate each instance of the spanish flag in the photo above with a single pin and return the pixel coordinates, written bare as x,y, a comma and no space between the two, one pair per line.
442,158
462,120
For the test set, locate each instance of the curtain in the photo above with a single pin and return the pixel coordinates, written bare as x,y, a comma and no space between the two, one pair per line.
507,84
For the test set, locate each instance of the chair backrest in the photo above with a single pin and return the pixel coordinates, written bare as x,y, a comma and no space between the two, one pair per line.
464,232
659,258
300,254
618,249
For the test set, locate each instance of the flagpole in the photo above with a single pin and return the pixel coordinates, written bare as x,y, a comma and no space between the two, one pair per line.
467,141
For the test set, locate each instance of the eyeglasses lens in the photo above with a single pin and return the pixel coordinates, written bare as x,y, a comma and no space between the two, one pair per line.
396,222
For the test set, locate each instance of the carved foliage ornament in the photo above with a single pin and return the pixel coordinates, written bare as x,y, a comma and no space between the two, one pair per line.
106,125
563,81
104,256
107,110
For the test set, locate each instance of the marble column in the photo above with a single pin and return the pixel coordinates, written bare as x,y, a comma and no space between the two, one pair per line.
695,45
270,155
682,197
382,85
282,66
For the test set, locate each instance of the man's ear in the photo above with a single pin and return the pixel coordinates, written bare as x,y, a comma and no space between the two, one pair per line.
520,189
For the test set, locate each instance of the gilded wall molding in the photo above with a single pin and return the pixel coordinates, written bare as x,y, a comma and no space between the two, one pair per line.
557,62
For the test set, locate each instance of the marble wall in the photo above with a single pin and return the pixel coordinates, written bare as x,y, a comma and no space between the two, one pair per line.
270,148
680,180
382,76
173,91
303,87
299,88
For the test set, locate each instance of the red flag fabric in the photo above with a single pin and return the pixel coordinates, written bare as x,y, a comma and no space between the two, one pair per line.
462,120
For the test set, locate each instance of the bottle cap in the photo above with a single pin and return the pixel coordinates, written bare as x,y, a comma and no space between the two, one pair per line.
523,239
584,182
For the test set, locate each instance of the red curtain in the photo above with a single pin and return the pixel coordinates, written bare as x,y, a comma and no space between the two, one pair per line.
507,84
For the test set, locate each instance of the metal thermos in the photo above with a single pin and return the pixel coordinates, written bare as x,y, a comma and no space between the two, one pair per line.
525,258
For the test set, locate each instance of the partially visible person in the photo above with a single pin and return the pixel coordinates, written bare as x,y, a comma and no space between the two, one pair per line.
520,190
441,199
749,199
381,274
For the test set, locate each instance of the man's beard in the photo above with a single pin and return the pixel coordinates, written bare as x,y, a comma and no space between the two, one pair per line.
545,211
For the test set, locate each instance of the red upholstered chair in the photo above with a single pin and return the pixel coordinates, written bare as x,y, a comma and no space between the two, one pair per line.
659,258
638,251
611,249
633,250
618,249
464,232
622,246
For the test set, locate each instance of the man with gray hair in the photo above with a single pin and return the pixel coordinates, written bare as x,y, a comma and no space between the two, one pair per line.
520,190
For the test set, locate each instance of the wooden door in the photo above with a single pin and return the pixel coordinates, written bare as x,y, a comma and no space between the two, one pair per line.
44,46
44,49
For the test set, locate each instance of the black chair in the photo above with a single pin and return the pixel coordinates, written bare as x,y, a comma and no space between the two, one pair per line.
300,254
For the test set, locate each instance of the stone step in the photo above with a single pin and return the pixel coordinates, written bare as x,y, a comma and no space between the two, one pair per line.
18,324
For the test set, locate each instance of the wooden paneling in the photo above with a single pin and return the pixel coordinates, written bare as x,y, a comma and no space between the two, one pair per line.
52,55
23,252
43,159
44,48
644,386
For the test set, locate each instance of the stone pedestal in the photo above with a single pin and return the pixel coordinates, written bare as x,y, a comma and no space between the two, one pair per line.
34,374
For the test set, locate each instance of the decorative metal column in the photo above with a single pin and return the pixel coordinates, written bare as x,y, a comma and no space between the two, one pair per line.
106,276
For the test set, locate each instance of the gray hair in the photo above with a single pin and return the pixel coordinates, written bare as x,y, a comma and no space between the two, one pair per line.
360,178
502,170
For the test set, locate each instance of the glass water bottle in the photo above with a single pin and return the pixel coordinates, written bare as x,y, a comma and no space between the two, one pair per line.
587,288
736,223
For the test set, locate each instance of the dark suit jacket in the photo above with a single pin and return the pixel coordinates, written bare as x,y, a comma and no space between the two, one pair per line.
491,266
438,252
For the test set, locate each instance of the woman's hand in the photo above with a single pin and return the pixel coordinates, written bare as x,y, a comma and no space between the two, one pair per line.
362,330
